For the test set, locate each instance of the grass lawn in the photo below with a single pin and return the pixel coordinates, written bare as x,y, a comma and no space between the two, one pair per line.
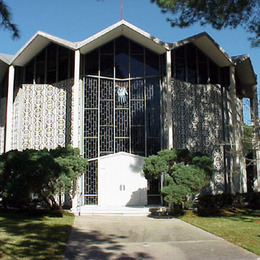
241,227
38,237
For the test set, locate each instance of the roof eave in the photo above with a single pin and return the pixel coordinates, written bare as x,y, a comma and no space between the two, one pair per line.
208,46
126,29
38,42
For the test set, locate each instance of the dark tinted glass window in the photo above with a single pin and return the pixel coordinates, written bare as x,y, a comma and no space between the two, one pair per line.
163,64
191,63
51,63
107,48
136,60
29,71
203,70
213,69
107,65
224,75
136,48
122,57
151,63
40,68
3,86
137,65
18,80
173,56
180,63
63,64
107,60
91,63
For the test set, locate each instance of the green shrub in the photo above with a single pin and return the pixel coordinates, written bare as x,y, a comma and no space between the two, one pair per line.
211,204
185,173
253,200
42,173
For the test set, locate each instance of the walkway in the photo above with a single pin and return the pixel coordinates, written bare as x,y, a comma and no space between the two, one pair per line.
122,237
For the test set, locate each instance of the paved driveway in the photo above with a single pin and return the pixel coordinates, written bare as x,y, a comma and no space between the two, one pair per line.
121,237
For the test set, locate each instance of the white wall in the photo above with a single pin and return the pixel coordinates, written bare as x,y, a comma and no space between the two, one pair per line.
121,181
2,123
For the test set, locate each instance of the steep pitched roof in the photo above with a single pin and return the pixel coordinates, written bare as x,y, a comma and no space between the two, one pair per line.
38,42
5,58
206,44
245,73
126,29
123,28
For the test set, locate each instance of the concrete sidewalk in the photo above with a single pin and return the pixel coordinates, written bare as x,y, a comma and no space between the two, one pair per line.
121,237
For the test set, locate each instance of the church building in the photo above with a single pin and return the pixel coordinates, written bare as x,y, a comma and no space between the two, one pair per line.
122,95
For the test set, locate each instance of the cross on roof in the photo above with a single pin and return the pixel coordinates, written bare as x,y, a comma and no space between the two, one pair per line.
121,9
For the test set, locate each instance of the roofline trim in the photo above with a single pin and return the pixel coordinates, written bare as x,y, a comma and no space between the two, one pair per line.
197,36
44,35
5,59
117,25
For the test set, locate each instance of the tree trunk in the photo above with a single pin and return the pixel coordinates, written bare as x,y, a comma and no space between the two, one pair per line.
171,208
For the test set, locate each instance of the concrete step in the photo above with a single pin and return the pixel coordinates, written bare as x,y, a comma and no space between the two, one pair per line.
115,211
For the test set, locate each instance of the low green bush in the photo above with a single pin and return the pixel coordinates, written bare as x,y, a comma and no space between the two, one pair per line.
208,204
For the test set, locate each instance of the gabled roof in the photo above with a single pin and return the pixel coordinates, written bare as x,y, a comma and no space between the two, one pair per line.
207,45
37,43
4,63
123,28
245,73
5,58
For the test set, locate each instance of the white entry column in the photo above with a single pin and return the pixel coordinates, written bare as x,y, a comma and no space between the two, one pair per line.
9,110
169,125
75,98
239,164
75,127
255,139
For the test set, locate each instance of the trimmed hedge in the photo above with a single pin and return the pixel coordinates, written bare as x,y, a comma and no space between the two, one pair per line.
208,204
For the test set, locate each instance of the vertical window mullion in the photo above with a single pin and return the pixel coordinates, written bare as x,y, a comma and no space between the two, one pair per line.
145,116
69,60
34,71
57,63
197,67
45,65
185,63
208,71
114,98
98,102
129,96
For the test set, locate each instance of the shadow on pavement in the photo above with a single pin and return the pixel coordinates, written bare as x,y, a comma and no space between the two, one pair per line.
95,245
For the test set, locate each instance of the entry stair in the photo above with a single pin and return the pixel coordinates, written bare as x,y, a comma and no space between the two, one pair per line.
117,211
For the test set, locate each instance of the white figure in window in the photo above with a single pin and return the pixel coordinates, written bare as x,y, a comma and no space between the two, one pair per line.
122,93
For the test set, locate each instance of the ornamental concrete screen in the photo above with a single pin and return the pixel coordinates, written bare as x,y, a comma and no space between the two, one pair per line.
123,95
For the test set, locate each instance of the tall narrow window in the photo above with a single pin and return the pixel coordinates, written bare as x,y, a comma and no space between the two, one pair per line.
51,63
180,63
91,63
136,60
191,63
40,68
122,57
107,60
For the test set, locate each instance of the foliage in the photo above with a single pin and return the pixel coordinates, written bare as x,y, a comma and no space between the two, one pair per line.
247,139
219,14
209,204
5,19
186,173
42,173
